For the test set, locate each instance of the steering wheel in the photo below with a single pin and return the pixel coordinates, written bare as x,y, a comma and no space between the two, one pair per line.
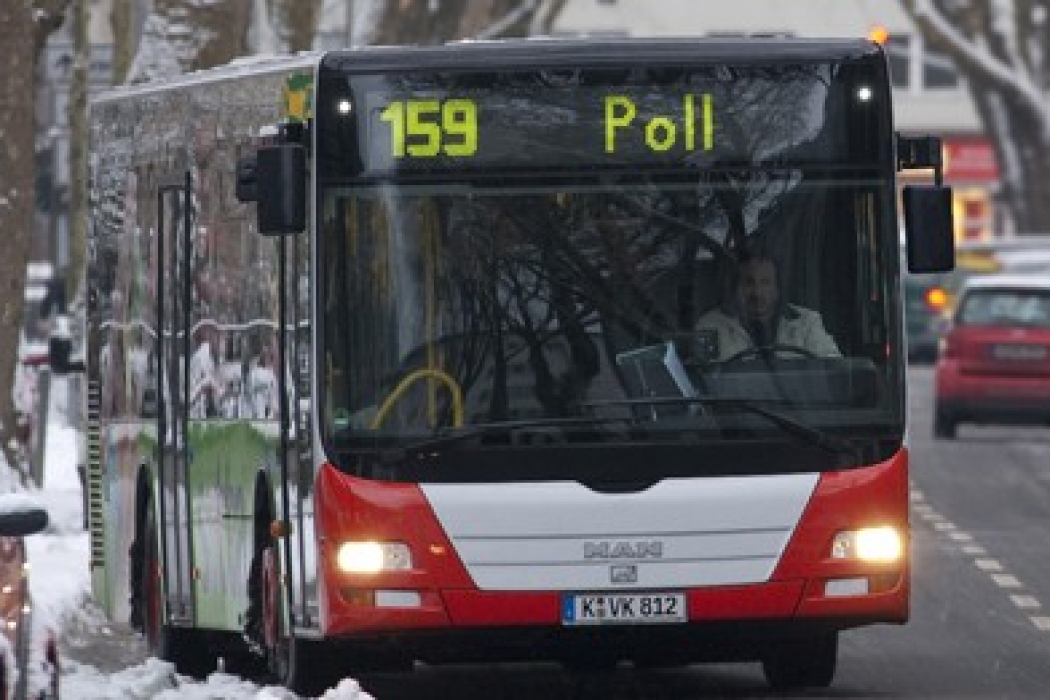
754,352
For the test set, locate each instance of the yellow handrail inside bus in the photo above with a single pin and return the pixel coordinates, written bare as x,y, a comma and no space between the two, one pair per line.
424,373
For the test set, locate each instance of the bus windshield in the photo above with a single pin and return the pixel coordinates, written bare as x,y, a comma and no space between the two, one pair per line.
454,305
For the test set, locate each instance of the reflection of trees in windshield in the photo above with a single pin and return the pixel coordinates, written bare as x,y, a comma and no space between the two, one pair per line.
589,273
526,297
771,112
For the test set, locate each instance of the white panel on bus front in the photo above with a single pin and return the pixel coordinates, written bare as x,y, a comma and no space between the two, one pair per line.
678,533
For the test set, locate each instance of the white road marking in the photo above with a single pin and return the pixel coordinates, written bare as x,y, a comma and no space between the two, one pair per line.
1006,580
1026,602
981,560
1041,623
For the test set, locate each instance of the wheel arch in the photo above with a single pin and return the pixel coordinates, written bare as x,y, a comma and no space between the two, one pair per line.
264,509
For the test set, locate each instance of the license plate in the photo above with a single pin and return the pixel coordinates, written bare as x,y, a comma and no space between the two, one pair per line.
623,608
1019,352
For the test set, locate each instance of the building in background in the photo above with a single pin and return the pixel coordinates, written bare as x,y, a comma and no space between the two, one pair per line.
930,96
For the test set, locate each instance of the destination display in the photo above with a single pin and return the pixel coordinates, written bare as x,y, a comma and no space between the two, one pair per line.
612,125
435,122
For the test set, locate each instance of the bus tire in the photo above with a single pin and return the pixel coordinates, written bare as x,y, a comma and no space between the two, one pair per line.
178,646
803,663
296,663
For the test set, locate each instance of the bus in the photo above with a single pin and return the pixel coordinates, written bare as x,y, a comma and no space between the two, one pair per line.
393,356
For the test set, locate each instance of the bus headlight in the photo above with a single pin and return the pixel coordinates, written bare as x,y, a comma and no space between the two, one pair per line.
373,557
874,544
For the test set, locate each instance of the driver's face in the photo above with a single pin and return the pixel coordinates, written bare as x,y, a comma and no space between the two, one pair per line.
758,290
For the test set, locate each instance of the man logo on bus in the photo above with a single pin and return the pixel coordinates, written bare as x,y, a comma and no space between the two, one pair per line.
645,549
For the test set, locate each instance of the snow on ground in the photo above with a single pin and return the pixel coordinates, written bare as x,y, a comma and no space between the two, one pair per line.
60,584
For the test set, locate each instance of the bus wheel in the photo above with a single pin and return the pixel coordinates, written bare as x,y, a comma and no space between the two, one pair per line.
297,664
803,664
166,643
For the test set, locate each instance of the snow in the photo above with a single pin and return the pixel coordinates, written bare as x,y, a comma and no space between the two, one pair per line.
60,585
18,503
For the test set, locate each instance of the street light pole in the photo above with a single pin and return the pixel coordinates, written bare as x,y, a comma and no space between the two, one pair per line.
350,23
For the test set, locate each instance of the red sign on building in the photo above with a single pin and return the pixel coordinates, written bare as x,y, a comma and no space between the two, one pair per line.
969,160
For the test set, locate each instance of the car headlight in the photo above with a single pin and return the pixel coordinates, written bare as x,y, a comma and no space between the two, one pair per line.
883,544
373,557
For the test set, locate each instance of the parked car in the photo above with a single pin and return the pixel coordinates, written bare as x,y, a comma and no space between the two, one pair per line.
20,517
994,360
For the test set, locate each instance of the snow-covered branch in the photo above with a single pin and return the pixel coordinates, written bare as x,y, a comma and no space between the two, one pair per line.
982,59
517,14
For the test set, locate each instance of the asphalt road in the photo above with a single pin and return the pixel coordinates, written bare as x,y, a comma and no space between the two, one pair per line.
980,625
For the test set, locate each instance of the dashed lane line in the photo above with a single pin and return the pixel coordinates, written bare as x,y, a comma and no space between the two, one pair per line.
993,567
1026,602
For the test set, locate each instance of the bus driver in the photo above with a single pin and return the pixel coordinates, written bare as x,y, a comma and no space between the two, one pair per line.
757,318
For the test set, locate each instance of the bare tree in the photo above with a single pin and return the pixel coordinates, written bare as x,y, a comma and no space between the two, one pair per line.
1001,49
78,138
180,36
296,23
125,39
417,22
24,28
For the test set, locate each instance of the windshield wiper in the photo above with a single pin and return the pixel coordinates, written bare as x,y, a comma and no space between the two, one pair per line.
791,426
446,437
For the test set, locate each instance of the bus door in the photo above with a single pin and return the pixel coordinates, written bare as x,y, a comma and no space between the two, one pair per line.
174,295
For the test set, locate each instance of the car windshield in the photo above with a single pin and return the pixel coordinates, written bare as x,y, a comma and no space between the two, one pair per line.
1006,307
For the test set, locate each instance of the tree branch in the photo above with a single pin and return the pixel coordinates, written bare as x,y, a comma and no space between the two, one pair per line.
516,14
48,15
979,58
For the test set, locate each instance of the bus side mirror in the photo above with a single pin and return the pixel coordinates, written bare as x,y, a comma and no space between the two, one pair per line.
277,183
929,231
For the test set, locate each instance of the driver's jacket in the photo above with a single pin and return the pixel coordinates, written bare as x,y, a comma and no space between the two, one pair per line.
797,327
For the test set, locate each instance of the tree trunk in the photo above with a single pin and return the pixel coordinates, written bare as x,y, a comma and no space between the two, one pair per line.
17,48
1022,149
78,137
422,23
121,16
181,36
297,24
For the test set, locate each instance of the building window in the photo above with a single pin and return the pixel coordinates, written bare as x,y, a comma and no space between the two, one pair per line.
915,66
938,70
898,54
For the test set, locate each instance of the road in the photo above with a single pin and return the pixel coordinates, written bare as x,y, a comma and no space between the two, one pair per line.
980,624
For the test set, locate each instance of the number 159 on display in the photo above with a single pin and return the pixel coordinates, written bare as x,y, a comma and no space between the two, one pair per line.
428,128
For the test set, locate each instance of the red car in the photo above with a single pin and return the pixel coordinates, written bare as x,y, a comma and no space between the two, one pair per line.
20,516
994,361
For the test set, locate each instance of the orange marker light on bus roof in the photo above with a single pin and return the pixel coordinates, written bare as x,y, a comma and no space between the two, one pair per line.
879,35
936,297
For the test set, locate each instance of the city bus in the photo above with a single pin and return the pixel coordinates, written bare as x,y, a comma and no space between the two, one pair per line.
394,356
